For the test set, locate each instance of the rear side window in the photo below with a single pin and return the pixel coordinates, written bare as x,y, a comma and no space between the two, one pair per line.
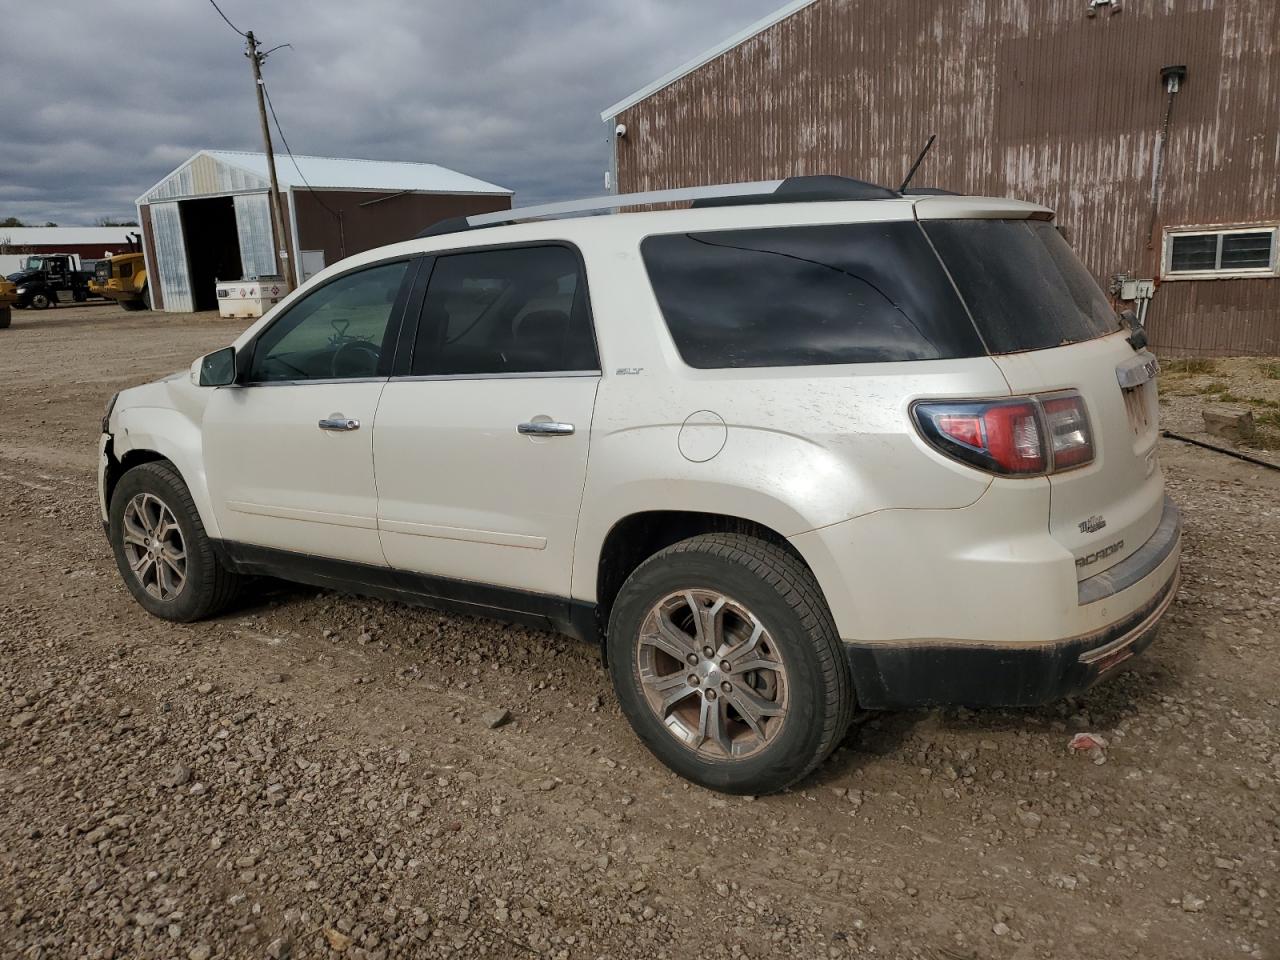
1023,285
801,296
521,310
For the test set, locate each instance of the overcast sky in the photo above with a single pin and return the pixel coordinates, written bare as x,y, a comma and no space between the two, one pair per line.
101,100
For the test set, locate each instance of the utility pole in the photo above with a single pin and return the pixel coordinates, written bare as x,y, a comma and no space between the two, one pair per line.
280,219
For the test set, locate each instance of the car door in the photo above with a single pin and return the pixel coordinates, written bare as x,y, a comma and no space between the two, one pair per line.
481,444
289,452
56,275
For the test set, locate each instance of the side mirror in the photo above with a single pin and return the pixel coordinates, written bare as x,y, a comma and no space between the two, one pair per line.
218,369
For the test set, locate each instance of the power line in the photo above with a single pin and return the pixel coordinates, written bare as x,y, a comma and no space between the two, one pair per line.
272,107
224,17
342,243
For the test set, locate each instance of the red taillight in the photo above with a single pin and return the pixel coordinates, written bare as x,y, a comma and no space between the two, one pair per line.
1013,438
966,429
1017,437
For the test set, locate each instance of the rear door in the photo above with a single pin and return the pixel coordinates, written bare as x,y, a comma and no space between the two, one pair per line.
1049,327
481,442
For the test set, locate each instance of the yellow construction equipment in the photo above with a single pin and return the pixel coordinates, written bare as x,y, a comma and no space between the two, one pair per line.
8,297
123,278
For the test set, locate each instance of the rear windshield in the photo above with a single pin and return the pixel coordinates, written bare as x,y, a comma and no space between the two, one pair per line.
798,296
1023,285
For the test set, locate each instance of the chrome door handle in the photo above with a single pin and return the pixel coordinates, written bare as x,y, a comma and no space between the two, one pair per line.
338,422
545,428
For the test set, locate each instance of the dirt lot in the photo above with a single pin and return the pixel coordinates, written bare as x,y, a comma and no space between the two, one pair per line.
1236,384
312,774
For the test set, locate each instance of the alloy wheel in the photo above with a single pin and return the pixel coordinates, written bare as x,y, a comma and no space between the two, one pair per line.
712,675
153,546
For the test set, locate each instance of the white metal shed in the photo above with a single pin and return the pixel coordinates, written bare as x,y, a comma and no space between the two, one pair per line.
211,218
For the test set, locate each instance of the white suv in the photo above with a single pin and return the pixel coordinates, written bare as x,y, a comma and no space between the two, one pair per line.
809,445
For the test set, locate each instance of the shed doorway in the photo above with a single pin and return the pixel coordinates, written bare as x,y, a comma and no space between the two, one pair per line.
213,247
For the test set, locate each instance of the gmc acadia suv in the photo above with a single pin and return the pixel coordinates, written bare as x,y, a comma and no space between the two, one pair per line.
807,446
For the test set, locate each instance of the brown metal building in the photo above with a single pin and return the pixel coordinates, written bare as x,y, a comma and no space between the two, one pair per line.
212,219
1156,174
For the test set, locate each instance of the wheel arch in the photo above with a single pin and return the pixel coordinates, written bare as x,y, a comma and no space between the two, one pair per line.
149,434
635,537
118,466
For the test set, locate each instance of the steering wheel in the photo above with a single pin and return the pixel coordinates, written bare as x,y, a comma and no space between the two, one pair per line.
355,358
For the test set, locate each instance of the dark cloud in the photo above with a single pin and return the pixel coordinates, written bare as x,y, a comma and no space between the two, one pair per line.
102,100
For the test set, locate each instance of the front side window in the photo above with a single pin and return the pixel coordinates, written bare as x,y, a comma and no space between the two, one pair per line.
521,310
1244,252
338,332
803,296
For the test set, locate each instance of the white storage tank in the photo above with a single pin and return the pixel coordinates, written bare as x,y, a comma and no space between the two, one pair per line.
249,298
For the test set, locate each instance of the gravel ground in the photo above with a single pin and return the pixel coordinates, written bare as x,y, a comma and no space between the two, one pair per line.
314,775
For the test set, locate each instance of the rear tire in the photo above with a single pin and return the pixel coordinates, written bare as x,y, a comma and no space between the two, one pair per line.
132,305
774,696
162,551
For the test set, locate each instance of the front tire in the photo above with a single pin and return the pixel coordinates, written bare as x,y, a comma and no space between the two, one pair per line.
40,301
727,664
162,551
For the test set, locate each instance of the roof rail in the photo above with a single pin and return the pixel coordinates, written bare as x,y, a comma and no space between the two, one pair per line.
790,190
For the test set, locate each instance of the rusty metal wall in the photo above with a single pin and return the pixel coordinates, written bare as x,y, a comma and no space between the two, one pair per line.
150,257
1029,98
371,219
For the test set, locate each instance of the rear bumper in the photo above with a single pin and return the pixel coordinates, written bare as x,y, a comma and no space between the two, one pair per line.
940,672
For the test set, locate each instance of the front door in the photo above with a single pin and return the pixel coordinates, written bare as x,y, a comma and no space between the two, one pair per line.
481,449
56,274
289,453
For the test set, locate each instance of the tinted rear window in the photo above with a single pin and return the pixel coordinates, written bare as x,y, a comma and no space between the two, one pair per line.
798,296
1023,285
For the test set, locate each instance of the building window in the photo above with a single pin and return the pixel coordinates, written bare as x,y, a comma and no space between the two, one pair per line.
1236,252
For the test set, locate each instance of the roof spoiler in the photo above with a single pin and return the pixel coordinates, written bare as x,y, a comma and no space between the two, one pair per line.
816,189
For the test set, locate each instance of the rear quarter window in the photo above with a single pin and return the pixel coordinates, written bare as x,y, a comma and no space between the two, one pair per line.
801,296
1024,286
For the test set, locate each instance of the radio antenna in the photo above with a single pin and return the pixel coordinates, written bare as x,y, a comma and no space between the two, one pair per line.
919,160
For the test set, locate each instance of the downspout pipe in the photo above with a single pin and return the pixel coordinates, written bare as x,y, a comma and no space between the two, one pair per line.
1172,77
